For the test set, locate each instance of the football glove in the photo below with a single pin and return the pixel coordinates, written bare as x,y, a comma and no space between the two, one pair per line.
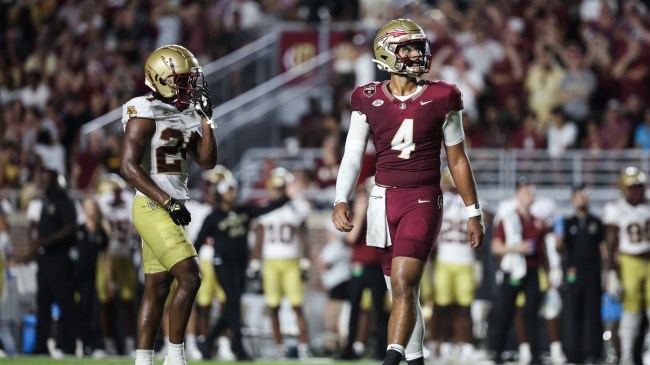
253,270
177,211
204,105
305,264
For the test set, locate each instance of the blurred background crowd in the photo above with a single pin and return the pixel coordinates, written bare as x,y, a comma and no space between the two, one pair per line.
544,78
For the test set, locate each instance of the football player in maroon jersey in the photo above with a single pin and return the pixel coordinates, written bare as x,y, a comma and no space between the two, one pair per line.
408,119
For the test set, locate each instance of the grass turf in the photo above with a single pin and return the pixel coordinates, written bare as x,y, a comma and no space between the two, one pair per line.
42,360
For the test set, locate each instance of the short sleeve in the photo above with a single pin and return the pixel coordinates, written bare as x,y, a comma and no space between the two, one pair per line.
609,214
455,101
355,100
138,107
499,232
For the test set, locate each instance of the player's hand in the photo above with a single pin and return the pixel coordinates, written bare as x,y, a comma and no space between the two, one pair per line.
614,286
253,270
204,105
305,264
475,231
177,211
341,217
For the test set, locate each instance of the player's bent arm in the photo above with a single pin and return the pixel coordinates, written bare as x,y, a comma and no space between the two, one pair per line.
137,136
203,147
355,147
611,237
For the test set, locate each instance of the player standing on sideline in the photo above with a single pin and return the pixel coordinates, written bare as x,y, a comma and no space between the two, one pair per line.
408,119
281,252
627,223
160,130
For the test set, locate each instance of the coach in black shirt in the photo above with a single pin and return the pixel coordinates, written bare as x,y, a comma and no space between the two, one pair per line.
582,239
228,226
55,238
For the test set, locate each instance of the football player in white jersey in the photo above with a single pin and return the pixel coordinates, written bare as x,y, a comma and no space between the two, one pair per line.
160,130
453,278
115,202
281,244
627,232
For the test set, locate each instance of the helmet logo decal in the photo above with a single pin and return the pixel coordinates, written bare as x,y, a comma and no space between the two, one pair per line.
395,34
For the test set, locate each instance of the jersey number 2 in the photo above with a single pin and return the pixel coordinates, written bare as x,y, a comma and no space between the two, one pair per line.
163,152
403,139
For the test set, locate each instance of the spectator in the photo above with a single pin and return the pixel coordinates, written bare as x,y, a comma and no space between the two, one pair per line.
47,148
543,83
36,92
642,133
615,130
482,52
576,86
87,165
310,127
528,137
562,135
468,80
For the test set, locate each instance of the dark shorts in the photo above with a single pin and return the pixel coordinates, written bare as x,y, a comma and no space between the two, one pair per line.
414,218
339,292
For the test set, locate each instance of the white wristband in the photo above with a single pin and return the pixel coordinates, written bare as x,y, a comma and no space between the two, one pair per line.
474,210
340,201
212,124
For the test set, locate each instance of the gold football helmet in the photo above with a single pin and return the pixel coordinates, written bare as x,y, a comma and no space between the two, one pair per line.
173,72
216,174
277,180
111,182
632,183
398,34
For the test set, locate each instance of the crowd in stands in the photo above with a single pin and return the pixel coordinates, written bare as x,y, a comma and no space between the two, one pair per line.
539,74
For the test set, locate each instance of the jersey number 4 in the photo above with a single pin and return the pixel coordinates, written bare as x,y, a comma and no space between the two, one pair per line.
175,150
403,139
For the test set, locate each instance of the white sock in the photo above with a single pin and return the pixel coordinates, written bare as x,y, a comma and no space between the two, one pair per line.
129,345
143,357
627,331
190,340
416,342
176,354
397,347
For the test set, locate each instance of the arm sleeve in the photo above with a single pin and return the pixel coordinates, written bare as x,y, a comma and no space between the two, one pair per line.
355,147
452,128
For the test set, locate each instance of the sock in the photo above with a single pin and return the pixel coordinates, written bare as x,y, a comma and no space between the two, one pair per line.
416,343
394,354
176,353
143,357
358,347
389,286
129,345
190,340
627,331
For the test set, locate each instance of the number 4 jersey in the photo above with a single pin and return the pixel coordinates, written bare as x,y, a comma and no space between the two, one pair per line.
164,158
633,224
407,133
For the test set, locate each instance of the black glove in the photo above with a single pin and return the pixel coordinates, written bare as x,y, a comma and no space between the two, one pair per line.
177,211
204,105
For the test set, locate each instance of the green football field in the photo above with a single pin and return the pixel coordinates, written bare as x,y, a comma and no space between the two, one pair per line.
125,361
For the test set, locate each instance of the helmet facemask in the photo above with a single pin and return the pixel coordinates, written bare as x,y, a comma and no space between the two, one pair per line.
414,66
187,87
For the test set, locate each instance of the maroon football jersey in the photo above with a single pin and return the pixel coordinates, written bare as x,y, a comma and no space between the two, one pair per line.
407,134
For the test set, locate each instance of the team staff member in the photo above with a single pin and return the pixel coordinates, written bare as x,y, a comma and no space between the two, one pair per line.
408,119
56,236
160,130
518,241
582,239
228,227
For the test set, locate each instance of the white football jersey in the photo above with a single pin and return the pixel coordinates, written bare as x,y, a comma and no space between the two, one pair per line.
199,212
119,217
164,158
280,230
633,224
453,247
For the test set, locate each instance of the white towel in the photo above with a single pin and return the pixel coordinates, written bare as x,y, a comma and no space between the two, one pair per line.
377,234
513,263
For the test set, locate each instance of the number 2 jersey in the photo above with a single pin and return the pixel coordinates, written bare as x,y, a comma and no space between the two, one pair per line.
633,224
165,156
407,134
117,210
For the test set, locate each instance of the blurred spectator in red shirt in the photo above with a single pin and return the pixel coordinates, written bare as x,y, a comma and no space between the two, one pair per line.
615,131
528,136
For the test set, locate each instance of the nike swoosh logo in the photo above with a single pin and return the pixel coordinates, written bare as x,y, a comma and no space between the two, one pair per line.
425,102
424,201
